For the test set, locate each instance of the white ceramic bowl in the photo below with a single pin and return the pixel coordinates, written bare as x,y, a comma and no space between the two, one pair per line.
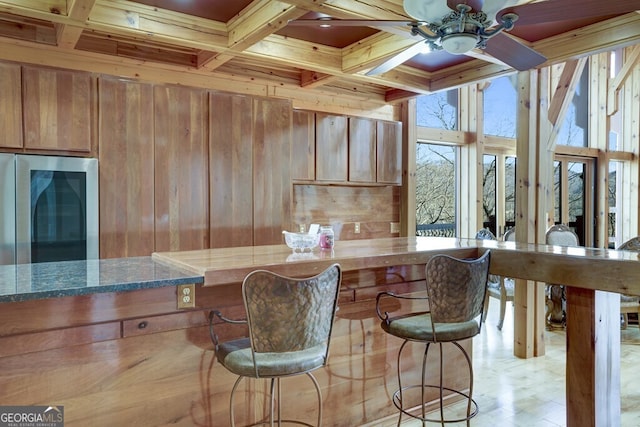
301,241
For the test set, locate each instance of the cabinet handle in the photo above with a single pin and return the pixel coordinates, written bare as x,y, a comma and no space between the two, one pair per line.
142,324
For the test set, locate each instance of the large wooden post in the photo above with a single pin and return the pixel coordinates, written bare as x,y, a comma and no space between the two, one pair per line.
533,163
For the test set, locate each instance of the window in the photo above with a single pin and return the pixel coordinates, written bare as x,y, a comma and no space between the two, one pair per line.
574,130
615,124
509,193
489,185
615,204
436,190
500,107
439,110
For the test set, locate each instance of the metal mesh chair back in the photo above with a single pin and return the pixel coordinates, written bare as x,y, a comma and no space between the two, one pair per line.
632,244
456,288
510,235
561,235
286,314
485,234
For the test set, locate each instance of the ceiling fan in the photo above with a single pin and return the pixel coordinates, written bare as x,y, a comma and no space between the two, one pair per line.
458,26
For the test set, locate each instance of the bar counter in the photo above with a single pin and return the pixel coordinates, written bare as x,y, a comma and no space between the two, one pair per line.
592,386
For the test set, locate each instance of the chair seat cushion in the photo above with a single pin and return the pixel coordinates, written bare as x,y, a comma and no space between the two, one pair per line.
236,357
418,328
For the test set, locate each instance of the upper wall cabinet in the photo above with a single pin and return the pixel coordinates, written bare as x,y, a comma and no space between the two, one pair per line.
331,147
362,150
10,106
303,146
389,152
58,109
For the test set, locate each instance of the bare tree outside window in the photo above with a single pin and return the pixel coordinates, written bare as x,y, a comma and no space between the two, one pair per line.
489,193
435,190
439,111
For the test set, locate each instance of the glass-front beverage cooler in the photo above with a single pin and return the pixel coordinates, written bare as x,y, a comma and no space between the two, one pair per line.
49,209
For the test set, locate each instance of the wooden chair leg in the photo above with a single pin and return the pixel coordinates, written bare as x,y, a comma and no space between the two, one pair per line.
486,307
503,309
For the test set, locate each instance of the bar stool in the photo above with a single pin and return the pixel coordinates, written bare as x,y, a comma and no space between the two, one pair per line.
290,322
456,290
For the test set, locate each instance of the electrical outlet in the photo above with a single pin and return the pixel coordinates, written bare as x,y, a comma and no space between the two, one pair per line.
302,228
186,296
356,227
395,227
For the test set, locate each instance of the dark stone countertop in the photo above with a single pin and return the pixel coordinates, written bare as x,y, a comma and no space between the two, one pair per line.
24,282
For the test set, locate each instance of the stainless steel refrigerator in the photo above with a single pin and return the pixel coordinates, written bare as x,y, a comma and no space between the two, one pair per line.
48,208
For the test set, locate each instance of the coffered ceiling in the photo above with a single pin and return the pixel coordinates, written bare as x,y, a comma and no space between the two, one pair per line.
254,40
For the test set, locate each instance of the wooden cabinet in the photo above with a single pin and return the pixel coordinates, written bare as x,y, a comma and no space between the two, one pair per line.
126,169
58,110
250,178
10,106
231,170
389,152
303,146
331,147
271,170
362,150
355,149
181,169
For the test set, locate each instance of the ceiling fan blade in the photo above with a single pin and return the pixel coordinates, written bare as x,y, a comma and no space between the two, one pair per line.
427,10
513,53
350,23
491,7
561,10
398,59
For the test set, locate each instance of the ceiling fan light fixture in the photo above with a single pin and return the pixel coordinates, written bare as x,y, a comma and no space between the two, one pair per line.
459,43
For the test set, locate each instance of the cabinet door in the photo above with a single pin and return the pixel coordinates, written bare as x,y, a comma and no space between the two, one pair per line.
271,171
389,142
58,109
303,146
331,147
181,169
231,170
126,169
362,150
10,106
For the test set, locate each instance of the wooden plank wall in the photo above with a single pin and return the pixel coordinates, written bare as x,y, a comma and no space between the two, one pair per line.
375,208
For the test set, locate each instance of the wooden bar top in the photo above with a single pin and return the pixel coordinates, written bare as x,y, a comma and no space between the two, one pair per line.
590,268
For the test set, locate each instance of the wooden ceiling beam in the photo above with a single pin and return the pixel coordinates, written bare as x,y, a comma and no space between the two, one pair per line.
397,95
48,10
68,35
467,73
312,79
599,37
373,51
143,22
257,21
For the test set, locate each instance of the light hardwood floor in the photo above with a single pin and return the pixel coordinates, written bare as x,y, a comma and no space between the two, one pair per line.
513,392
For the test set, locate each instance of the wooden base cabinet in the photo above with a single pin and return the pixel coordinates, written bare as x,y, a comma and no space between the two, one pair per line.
132,359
